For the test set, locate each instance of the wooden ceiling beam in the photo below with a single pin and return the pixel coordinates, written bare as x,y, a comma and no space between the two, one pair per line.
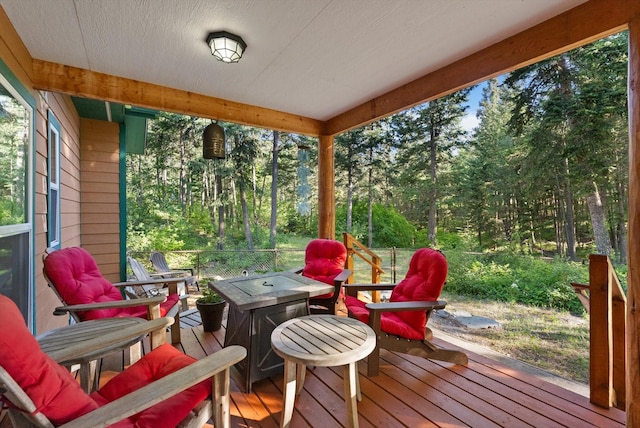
49,76
581,25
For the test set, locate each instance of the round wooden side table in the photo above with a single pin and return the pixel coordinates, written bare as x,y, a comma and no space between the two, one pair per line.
321,340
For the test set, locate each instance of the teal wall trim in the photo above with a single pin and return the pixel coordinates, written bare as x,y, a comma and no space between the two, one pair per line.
123,203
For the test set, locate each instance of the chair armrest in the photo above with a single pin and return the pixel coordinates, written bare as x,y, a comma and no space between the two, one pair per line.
342,276
367,287
353,289
158,281
179,271
406,306
105,341
217,364
151,301
376,310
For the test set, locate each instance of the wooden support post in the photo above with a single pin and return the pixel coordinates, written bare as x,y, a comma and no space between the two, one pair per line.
601,350
326,191
633,252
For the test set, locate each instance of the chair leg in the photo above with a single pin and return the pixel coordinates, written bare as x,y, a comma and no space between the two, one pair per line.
373,362
175,330
221,399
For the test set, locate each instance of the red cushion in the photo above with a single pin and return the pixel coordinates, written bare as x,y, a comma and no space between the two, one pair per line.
158,363
75,275
51,387
324,259
424,281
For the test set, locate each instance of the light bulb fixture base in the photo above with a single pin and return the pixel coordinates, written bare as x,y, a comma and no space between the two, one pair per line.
226,47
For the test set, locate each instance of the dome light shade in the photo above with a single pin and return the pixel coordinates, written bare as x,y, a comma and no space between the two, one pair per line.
213,142
226,47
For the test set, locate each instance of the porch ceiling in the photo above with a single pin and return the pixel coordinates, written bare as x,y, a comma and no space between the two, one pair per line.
314,58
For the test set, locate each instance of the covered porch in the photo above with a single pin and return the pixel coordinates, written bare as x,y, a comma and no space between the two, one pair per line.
409,391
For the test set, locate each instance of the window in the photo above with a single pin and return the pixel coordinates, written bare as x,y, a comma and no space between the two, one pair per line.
53,202
16,133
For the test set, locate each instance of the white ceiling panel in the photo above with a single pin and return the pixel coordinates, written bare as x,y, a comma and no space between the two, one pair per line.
315,58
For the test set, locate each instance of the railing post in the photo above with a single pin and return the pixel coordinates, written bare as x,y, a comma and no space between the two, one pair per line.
375,277
348,243
600,343
607,356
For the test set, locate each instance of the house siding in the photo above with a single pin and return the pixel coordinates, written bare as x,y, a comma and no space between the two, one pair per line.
62,107
100,190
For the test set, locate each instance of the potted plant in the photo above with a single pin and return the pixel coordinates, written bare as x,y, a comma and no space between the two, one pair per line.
211,307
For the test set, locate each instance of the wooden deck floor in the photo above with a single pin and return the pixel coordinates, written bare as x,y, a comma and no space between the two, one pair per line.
411,392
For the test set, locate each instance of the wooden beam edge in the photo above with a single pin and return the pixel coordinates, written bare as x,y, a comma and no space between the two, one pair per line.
70,80
581,25
13,51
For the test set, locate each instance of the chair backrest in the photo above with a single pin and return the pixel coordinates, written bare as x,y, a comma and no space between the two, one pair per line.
75,276
324,259
424,281
159,262
141,274
33,382
139,271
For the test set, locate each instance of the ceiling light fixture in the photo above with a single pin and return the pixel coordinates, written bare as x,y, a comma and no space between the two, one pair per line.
226,47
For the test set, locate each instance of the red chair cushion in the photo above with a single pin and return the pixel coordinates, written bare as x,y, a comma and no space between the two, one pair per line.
52,388
158,363
75,275
424,281
324,259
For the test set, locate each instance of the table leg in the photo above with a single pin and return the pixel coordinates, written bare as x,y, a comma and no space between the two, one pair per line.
135,353
350,394
301,373
358,392
288,392
88,377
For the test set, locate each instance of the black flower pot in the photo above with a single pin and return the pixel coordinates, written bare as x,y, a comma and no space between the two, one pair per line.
211,314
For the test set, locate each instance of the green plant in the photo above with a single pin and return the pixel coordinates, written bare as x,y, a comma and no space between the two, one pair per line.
209,296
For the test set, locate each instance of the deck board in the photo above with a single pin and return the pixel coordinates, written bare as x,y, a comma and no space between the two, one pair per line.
409,392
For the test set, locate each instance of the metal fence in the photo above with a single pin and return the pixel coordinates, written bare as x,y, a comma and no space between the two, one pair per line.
216,265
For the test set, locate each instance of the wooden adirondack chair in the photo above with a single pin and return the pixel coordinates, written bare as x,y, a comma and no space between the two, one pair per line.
170,285
324,261
401,323
72,273
165,388
162,268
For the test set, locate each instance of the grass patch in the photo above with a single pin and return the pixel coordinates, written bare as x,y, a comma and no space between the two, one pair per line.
553,340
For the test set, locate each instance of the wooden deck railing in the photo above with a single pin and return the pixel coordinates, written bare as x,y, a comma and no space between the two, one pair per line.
354,247
606,303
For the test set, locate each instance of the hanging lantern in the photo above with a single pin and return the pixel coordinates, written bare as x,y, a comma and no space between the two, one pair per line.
213,142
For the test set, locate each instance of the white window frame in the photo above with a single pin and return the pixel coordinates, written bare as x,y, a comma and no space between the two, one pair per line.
53,178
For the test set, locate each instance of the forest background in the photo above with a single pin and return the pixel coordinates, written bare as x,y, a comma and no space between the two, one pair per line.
516,205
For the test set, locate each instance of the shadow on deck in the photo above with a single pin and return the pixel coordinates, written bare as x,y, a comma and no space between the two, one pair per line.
410,391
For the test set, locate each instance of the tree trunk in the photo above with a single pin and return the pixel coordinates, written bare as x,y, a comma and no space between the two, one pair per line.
183,175
598,222
220,212
570,217
350,151
432,226
274,190
370,201
245,216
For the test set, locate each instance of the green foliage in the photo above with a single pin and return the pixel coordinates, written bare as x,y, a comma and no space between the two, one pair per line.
390,228
516,279
209,296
